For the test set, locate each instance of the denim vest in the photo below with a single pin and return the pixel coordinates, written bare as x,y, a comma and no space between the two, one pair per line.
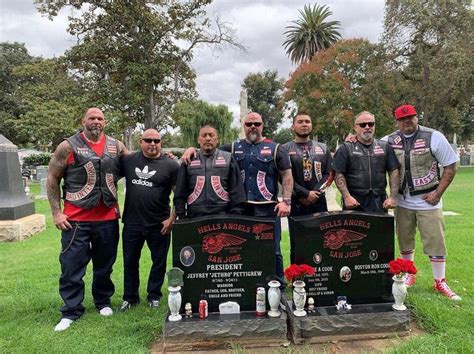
257,163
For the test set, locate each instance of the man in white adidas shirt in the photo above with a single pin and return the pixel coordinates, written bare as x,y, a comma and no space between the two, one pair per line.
147,216
420,151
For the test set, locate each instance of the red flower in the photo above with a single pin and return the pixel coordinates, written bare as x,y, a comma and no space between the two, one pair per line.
400,267
298,272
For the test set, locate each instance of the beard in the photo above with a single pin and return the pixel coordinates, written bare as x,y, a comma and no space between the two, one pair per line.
96,132
302,135
253,137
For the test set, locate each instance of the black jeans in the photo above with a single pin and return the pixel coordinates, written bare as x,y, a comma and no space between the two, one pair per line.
133,239
85,241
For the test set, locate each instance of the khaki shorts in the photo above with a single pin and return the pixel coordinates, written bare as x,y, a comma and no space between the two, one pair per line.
431,226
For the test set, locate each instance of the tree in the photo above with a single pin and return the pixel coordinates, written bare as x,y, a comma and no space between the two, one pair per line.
191,115
264,97
430,43
283,136
136,54
310,33
339,83
11,55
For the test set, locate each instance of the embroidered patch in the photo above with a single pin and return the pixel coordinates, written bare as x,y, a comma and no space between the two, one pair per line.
219,189
397,139
83,151
317,170
109,180
112,149
84,191
419,143
266,151
238,152
397,146
195,163
242,174
432,173
198,187
220,161
292,153
318,150
378,150
262,187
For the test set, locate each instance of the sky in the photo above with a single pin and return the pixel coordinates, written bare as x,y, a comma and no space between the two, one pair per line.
259,25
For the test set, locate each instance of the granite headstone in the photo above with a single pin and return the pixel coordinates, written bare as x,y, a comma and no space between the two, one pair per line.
350,252
224,258
14,203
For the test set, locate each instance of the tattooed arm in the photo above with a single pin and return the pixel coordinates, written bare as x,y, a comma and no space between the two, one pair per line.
56,169
349,201
123,150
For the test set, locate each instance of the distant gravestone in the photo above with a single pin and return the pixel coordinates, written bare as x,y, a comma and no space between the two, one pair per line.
43,194
224,259
41,172
350,252
14,203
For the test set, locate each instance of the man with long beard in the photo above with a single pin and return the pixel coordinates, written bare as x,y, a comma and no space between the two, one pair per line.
361,166
89,164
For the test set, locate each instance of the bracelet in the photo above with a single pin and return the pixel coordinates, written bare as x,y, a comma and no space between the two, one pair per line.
287,201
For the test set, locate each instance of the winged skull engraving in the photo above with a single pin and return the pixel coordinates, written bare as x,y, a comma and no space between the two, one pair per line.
214,243
335,239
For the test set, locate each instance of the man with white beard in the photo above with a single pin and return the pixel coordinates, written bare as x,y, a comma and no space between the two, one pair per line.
360,169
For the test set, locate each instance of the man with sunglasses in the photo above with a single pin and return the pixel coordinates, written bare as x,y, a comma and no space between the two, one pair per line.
150,177
361,168
211,183
89,164
261,162
420,150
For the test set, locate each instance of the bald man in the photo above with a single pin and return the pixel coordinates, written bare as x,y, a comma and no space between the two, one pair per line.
89,164
147,216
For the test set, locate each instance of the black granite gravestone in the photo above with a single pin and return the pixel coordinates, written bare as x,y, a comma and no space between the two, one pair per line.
350,252
14,203
223,259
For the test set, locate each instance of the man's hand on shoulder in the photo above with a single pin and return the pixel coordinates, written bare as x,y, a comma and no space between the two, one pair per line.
188,155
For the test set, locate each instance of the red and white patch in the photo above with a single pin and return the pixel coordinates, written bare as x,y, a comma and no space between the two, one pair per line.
220,161
83,151
395,146
84,191
109,180
218,189
292,153
318,170
419,143
432,173
195,163
318,150
197,189
397,139
112,149
378,150
266,151
262,187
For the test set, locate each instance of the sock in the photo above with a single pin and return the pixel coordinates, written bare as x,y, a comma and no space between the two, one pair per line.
410,255
438,266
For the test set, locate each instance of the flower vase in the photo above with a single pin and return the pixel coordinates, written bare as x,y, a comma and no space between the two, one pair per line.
299,298
399,291
174,302
274,296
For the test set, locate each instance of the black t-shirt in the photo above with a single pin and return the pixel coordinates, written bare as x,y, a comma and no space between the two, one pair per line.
149,183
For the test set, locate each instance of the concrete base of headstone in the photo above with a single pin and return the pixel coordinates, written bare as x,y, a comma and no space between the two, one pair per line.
245,330
21,229
363,322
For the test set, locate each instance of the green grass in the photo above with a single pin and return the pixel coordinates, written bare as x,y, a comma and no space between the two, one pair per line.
29,299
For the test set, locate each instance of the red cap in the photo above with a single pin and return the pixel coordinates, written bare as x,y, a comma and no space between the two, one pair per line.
407,110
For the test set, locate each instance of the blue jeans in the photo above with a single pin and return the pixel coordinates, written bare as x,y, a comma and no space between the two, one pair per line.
133,239
85,241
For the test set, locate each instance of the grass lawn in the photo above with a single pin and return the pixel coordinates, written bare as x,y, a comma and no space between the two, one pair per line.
29,299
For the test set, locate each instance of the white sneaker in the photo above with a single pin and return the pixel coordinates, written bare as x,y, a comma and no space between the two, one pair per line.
64,324
106,311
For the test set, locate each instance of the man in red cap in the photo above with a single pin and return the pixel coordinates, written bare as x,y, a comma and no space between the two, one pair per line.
420,150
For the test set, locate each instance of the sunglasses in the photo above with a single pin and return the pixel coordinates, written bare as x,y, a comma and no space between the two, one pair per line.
149,141
363,125
256,124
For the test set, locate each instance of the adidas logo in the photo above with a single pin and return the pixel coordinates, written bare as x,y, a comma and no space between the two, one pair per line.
144,174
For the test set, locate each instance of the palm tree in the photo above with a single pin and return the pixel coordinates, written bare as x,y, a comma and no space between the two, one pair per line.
310,33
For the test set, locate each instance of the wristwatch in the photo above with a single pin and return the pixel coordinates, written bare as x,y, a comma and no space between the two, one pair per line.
287,201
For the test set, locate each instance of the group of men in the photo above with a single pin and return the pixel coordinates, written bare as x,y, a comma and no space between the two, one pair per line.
237,178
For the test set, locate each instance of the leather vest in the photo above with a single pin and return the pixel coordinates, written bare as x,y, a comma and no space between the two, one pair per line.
91,177
367,168
209,182
257,163
419,171
317,155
